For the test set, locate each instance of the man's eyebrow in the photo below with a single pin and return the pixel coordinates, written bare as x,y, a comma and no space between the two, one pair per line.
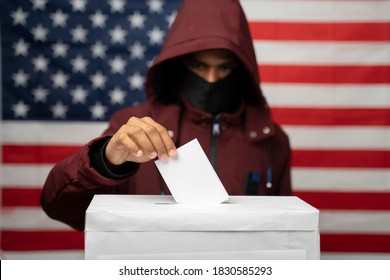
232,61
194,59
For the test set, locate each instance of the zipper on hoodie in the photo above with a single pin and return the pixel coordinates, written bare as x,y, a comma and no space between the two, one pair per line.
216,130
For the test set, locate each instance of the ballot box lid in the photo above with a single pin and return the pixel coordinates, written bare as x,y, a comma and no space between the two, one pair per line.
162,213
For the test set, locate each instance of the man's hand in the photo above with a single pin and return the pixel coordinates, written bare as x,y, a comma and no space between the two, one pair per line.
140,140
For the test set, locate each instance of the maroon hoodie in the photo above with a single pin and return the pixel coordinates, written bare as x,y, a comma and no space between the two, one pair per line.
250,153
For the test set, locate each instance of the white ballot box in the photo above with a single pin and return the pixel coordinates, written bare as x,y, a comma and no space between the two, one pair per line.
243,227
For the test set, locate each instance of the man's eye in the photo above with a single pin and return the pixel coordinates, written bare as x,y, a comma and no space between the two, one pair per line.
195,65
229,67
226,68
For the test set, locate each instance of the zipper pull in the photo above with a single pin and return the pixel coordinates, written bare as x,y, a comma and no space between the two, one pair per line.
216,129
269,177
216,126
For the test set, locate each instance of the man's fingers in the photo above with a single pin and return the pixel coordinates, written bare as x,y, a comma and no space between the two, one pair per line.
170,147
155,135
122,148
142,139
130,145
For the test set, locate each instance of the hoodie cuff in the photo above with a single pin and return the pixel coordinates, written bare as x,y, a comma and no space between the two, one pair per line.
99,162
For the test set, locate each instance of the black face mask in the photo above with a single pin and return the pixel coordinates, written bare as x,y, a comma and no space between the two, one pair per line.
214,98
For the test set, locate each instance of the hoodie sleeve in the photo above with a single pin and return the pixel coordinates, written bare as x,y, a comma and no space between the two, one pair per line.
99,162
72,183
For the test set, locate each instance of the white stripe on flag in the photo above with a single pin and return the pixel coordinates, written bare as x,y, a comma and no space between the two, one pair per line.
33,175
339,137
341,179
29,218
335,11
68,133
44,255
327,96
322,53
355,221
306,137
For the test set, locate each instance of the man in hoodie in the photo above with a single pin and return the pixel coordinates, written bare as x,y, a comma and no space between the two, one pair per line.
204,84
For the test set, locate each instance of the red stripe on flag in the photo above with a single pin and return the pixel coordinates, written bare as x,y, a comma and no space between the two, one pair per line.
325,74
41,240
321,31
378,243
36,153
331,116
14,197
379,201
301,158
342,158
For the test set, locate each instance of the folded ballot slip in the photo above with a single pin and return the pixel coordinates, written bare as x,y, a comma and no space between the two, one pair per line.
191,178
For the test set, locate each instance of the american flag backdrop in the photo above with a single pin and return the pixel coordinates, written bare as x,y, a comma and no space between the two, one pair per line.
66,66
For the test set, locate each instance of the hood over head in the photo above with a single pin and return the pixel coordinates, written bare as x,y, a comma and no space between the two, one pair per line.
202,25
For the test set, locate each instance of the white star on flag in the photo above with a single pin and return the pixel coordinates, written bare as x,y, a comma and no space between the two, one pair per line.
137,51
60,79
98,19
117,6
21,78
19,16
171,18
155,6
59,18
98,50
21,47
137,20
98,80
98,111
39,4
79,34
40,63
60,49
20,109
79,64
40,33
118,35
156,36
59,110
79,95
117,65
40,94
136,81
117,96
78,5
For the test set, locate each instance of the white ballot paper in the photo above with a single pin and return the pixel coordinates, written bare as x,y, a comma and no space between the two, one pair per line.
190,176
